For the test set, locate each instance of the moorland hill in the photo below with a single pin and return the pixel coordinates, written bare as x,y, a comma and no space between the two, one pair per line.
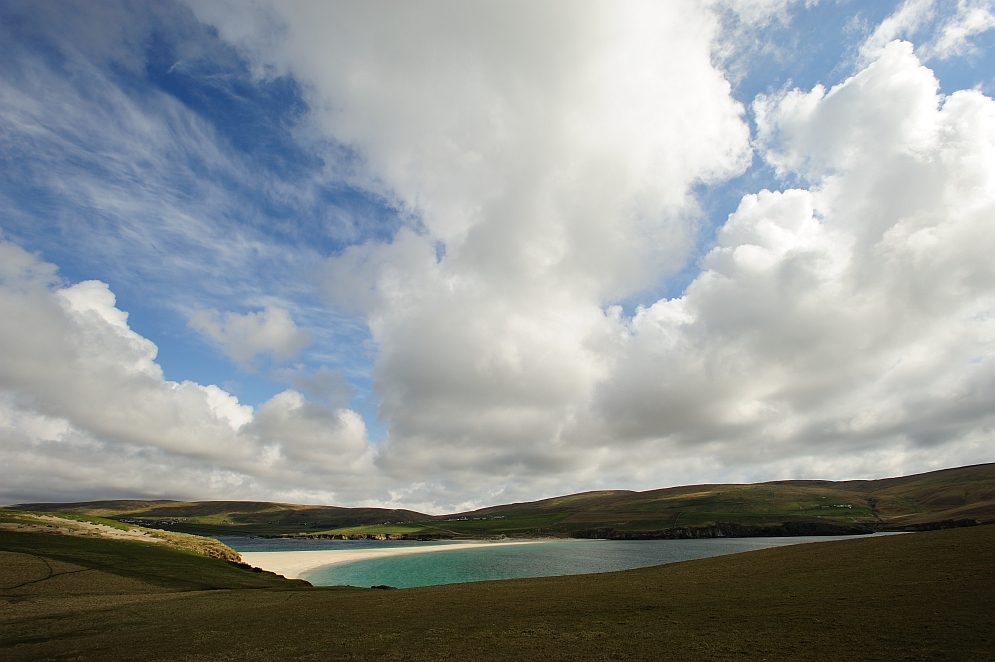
963,495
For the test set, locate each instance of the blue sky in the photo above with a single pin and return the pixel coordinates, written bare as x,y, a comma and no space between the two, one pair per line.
265,188
348,223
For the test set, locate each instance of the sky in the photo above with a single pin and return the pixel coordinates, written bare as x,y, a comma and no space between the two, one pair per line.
444,255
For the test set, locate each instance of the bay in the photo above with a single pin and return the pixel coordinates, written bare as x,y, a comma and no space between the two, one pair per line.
544,559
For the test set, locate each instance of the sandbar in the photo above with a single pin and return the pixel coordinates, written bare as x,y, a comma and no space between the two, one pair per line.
294,564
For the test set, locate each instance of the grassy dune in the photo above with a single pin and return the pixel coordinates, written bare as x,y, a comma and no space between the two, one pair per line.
230,517
915,597
89,526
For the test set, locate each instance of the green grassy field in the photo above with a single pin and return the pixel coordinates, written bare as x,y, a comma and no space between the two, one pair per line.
100,559
919,596
243,518
962,493
951,494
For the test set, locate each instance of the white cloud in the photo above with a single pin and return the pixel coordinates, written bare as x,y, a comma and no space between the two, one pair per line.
954,39
951,31
136,182
310,434
829,329
244,337
845,327
543,118
544,158
85,411
908,19
889,105
551,152
323,385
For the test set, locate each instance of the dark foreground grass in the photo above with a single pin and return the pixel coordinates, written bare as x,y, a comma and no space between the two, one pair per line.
24,558
909,597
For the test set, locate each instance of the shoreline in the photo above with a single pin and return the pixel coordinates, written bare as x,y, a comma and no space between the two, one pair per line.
294,564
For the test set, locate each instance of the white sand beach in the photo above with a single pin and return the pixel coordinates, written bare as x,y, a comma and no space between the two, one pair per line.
294,564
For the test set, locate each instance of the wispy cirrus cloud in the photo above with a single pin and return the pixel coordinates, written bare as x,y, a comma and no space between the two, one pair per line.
949,28
973,18
138,149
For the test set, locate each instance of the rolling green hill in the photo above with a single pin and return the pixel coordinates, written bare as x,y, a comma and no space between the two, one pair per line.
101,565
920,596
231,517
965,494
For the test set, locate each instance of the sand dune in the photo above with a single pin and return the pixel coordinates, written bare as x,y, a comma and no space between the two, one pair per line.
293,564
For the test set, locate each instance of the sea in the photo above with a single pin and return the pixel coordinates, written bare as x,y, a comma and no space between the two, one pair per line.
545,559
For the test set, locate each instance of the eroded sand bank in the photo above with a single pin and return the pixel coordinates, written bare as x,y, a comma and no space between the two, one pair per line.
294,564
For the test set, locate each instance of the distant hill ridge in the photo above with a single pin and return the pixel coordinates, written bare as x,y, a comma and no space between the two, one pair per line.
960,495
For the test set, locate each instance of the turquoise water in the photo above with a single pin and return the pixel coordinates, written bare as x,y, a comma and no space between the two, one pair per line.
569,557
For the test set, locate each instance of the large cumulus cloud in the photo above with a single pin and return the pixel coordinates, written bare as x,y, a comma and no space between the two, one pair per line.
85,409
544,163
547,155
840,329
844,328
